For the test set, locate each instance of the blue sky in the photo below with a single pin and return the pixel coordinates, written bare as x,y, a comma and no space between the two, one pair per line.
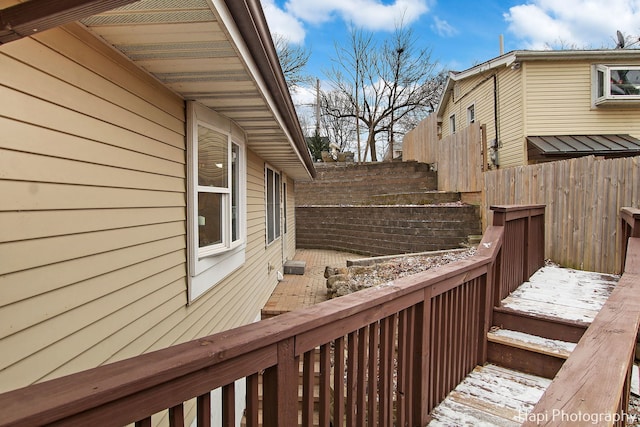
461,33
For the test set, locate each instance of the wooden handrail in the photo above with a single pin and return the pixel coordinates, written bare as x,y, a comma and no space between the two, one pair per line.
437,319
592,387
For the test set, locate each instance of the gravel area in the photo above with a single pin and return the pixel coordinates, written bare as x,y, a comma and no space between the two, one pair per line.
343,281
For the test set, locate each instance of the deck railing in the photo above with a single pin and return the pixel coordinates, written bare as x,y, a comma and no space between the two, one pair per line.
523,248
592,387
629,227
387,355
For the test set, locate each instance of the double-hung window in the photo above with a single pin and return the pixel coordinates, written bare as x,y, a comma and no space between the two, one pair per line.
272,179
216,199
471,114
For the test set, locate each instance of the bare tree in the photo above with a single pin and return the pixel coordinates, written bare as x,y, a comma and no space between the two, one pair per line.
340,130
383,84
293,60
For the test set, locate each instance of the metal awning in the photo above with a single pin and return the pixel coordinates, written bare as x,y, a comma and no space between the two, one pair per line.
583,145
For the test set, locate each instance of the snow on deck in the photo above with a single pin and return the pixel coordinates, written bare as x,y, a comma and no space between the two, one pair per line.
563,293
490,396
543,345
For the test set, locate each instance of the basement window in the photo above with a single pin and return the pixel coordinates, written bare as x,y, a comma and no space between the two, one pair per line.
615,85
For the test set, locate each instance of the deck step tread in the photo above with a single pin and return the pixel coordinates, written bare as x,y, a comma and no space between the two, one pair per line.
490,395
550,347
562,293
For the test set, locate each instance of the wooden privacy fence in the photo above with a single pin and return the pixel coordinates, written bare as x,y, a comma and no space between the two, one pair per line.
388,355
459,157
592,387
583,198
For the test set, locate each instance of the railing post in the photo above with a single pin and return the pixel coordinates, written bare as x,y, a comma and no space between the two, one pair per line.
630,227
421,361
279,390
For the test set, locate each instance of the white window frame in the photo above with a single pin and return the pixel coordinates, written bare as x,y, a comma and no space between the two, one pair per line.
471,113
209,265
452,124
270,215
606,97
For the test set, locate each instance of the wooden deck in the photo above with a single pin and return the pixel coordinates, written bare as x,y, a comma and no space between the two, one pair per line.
496,396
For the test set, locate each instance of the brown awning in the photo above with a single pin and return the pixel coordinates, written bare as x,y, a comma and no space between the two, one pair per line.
582,145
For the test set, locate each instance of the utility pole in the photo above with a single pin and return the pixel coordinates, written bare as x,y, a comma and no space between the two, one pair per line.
318,107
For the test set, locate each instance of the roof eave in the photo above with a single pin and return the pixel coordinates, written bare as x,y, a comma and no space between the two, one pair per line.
252,25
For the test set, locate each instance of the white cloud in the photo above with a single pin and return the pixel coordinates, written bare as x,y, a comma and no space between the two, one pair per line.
583,23
368,14
283,23
443,28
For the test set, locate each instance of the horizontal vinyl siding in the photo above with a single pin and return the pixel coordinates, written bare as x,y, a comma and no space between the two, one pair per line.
512,150
92,222
559,103
92,219
477,90
291,221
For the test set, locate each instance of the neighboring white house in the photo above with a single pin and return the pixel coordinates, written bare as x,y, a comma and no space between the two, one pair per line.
148,156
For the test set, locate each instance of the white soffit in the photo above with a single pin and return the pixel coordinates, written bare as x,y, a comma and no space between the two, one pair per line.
185,45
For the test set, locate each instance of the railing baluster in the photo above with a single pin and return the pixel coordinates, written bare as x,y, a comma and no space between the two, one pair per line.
144,423
352,366
229,405
307,387
361,398
374,335
176,416
410,364
402,360
251,412
338,382
387,347
325,380
204,410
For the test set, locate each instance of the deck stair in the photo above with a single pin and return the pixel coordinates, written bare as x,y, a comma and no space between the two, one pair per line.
490,395
535,330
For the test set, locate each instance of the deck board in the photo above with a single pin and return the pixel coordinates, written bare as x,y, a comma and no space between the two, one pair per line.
492,396
562,293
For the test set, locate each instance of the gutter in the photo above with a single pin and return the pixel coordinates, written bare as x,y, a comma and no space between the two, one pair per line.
251,22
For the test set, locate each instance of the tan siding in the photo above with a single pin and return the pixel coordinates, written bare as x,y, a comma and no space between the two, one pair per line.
92,222
477,90
291,221
559,102
510,111
44,196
